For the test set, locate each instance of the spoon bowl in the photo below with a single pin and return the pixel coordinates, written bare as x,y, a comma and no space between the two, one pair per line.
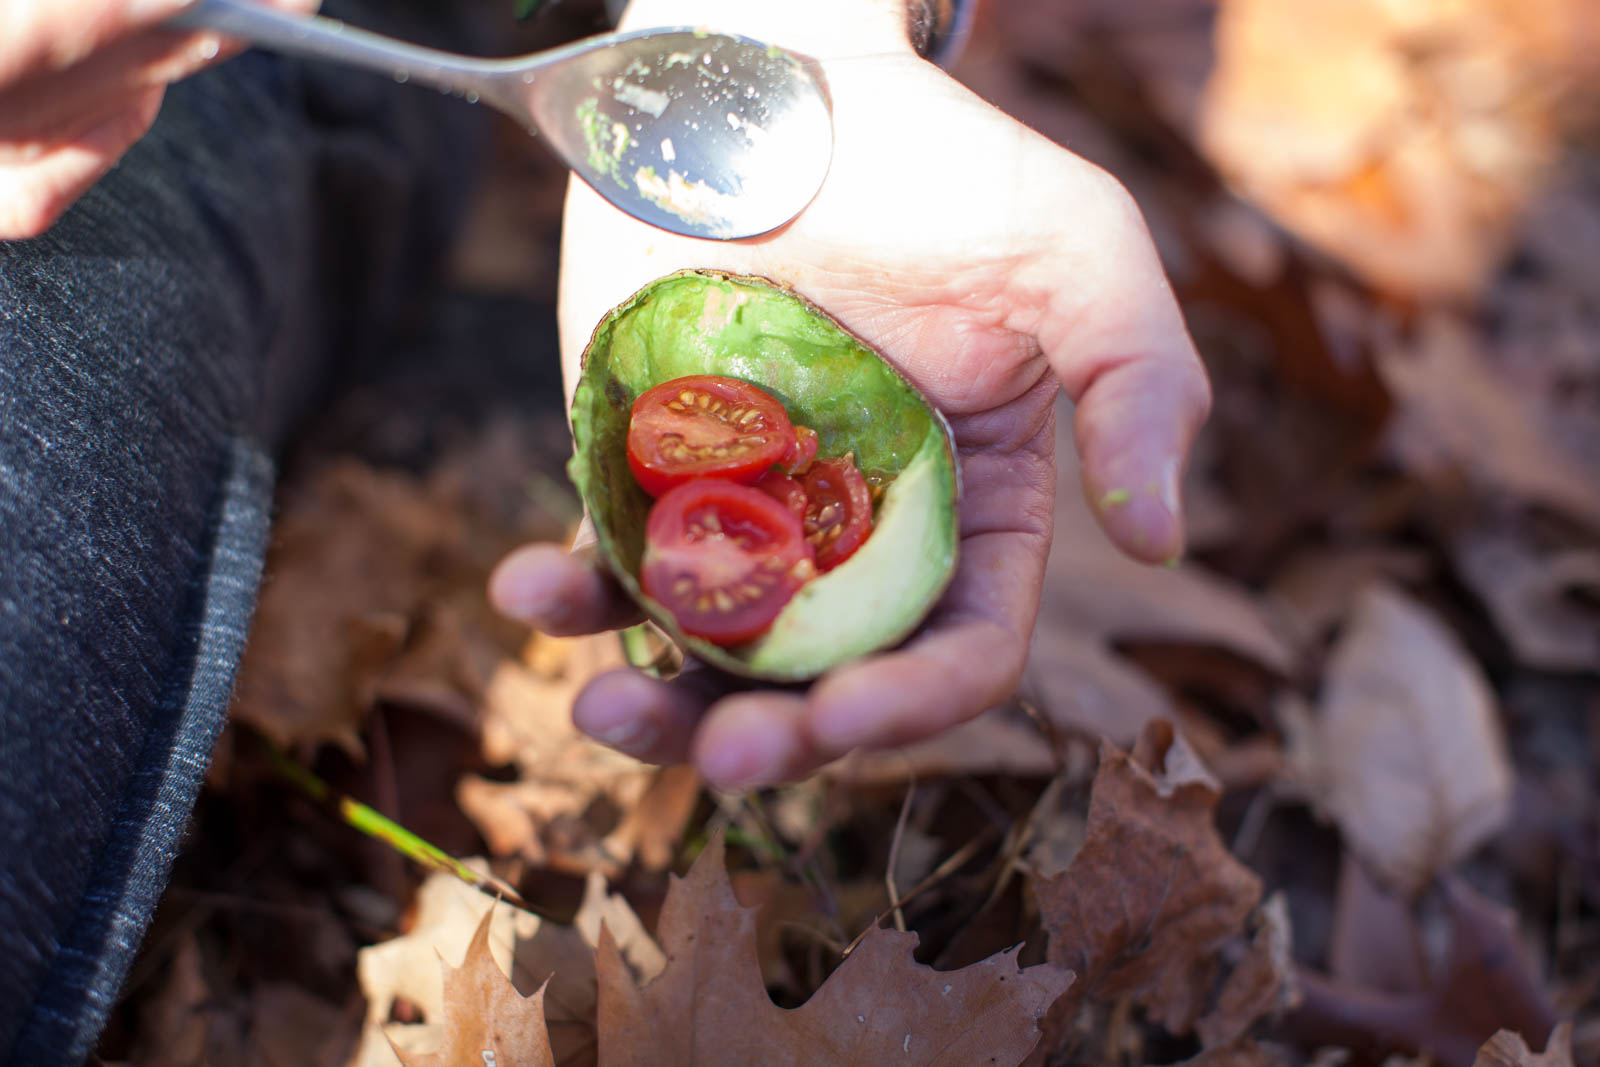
703,134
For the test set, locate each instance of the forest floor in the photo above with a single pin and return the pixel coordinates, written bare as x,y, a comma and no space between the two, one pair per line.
1324,793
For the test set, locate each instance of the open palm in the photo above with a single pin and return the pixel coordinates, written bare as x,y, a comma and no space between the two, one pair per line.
993,268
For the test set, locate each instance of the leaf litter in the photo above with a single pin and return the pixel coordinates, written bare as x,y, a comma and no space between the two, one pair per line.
1323,793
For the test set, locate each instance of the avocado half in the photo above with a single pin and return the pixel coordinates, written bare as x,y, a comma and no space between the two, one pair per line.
705,322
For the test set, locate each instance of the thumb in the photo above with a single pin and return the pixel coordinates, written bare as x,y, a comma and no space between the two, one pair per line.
1115,337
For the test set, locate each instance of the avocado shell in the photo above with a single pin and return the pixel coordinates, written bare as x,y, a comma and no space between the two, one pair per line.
706,322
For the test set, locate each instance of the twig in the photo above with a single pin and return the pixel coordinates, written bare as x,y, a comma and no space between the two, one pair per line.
360,817
894,856
1019,839
955,861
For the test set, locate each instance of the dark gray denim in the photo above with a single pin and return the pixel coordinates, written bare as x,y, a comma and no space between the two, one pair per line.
156,349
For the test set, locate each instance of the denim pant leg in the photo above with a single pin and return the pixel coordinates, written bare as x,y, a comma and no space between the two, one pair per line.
156,347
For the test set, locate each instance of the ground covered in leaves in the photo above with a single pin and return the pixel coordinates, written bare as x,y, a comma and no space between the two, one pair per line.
1323,794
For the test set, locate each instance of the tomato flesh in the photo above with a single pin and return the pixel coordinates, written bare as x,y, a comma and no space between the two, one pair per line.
705,426
724,558
785,490
804,451
838,510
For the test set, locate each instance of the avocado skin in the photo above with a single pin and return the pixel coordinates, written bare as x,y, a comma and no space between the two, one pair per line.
709,322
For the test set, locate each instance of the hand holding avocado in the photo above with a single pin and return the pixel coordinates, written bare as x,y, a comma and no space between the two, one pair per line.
992,269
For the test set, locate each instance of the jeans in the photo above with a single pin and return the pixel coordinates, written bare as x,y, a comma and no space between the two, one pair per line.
158,347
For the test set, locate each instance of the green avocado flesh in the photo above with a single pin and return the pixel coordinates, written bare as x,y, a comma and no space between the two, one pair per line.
700,322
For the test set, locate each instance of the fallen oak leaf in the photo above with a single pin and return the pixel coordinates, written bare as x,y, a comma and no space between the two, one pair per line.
486,1021
708,1006
1402,139
1095,598
1507,1049
1153,893
1487,984
1542,602
1260,985
1406,753
535,952
1458,418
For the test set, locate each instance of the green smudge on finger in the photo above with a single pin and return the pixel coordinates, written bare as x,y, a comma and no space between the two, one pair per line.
1114,497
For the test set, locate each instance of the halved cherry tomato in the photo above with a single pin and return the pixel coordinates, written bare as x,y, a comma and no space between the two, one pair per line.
805,450
785,490
838,510
705,426
724,558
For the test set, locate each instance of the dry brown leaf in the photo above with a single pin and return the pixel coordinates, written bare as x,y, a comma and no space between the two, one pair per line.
1243,1054
190,1023
1153,893
1406,752
1260,985
1458,419
485,1019
1001,741
708,1007
1374,941
344,577
532,951
373,590
1094,595
575,805
1486,983
1542,602
1315,587
1402,138
1506,1049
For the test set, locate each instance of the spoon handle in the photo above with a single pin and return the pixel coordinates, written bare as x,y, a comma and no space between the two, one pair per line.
320,37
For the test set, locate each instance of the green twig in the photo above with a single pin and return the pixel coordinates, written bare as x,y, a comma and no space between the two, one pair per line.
358,815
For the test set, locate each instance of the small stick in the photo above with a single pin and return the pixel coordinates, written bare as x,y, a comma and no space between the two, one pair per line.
365,819
939,873
894,857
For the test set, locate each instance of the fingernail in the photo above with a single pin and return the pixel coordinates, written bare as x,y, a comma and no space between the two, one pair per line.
1169,487
1141,512
1143,525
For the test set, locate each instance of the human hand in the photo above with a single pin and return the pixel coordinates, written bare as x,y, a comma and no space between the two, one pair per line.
80,82
992,267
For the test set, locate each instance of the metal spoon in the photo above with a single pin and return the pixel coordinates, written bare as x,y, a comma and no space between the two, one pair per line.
699,133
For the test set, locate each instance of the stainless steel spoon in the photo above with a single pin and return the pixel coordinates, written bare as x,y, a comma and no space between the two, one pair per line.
699,133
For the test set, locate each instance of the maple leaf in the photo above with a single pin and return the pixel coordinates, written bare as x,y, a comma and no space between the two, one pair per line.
1153,893
709,1008
486,1021
1507,1049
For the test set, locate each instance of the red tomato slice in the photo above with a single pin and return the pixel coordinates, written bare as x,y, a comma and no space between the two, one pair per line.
705,426
838,510
724,558
804,451
785,490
